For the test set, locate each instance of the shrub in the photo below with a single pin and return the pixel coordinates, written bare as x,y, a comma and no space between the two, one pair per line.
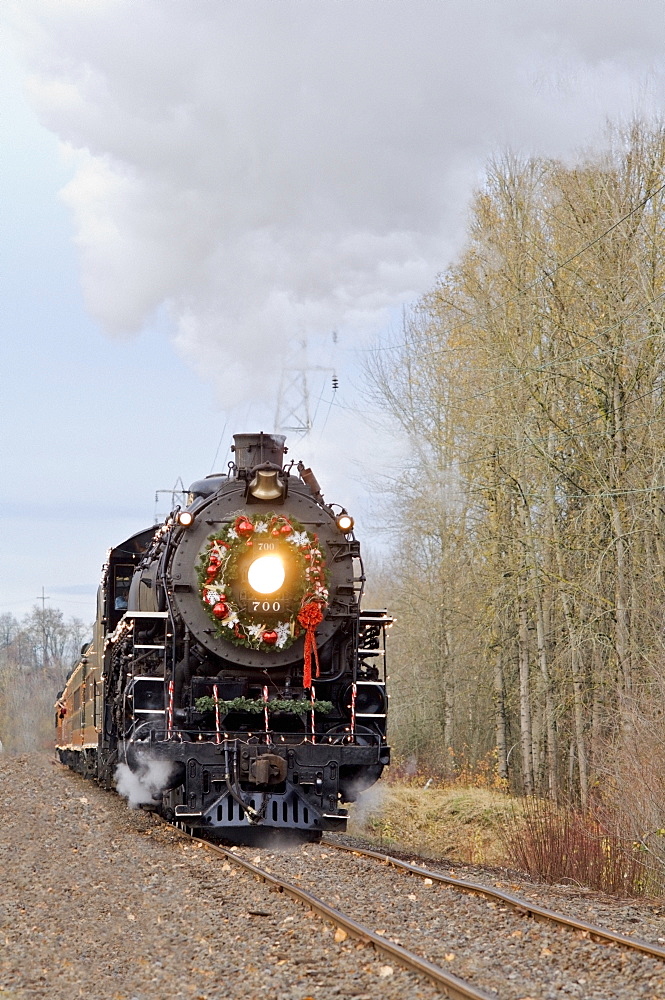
562,844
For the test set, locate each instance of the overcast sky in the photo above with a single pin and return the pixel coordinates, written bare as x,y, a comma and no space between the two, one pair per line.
191,187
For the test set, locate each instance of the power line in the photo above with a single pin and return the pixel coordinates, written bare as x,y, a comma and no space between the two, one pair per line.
546,274
219,445
570,358
591,243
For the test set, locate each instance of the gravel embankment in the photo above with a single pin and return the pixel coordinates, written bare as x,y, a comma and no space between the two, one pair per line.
642,918
481,941
101,902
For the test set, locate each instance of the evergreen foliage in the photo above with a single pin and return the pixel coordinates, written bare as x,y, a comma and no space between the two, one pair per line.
256,706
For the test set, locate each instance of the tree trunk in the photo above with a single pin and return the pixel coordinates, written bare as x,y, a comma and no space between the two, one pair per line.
525,694
541,647
575,669
621,588
500,722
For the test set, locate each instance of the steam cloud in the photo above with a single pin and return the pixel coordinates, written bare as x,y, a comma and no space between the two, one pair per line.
277,170
144,787
369,803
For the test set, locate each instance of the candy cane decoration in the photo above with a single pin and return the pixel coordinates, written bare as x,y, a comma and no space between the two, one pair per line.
169,724
354,691
265,705
313,697
218,738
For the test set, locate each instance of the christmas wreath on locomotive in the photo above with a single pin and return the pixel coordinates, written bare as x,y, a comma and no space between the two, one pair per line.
232,670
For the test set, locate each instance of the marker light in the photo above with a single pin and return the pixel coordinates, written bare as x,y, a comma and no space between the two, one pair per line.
345,522
185,518
266,574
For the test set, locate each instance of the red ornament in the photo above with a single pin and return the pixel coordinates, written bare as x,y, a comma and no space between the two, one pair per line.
244,527
220,610
286,529
249,543
275,532
270,637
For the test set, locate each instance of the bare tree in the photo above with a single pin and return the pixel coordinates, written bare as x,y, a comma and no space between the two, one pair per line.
36,654
531,384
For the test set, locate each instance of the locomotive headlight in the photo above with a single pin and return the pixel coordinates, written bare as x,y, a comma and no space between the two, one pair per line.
185,518
266,574
344,522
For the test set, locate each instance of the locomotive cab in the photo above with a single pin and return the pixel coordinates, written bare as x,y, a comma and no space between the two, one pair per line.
122,578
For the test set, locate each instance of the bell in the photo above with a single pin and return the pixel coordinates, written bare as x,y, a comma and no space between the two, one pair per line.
266,485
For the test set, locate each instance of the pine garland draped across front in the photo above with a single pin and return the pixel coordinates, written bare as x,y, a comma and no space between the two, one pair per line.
256,706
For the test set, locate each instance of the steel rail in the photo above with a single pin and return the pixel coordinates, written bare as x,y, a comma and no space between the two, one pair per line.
452,986
524,906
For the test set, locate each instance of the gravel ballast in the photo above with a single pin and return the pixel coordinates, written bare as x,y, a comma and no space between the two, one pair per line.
103,902
643,918
100,901
484,942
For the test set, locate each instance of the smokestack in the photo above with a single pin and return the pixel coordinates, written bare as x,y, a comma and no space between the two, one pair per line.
257,449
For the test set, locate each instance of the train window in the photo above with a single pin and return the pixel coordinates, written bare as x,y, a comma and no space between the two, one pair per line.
122,577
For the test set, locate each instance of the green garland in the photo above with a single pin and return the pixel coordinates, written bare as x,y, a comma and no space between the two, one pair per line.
218,568
255,706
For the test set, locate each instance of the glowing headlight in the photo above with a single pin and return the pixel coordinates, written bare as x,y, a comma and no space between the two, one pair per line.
185,518
266,574
345,522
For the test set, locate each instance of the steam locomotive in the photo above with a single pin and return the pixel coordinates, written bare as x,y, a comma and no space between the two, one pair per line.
232,673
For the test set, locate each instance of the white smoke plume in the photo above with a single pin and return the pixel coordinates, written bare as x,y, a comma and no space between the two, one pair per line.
261,172
368,805
144,787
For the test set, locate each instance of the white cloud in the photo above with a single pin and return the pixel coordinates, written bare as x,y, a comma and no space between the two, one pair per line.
271,170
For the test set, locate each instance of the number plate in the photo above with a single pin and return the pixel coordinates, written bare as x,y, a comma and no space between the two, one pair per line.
274,606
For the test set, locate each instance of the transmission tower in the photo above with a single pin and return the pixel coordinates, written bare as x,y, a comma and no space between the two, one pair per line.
178,491
293,414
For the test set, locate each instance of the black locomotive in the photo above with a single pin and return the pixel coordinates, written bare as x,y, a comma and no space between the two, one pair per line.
232,672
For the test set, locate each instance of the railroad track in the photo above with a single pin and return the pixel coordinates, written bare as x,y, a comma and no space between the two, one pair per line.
519,903
449,984
483,977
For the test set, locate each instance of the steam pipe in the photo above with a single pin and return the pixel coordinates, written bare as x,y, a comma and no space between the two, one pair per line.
182,674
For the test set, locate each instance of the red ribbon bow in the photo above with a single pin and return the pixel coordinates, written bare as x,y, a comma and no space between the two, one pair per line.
310,617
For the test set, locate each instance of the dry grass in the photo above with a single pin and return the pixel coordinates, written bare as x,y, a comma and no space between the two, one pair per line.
462,824
486,827
446,768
